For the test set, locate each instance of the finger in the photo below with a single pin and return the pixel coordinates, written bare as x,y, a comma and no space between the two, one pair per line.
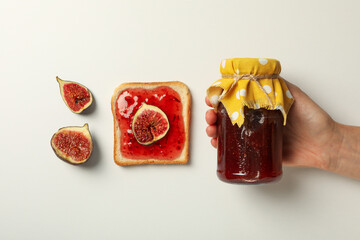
214,142
211,131
208,102
210,117
295,90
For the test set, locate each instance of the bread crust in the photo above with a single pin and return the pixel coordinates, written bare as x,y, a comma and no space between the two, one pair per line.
185,96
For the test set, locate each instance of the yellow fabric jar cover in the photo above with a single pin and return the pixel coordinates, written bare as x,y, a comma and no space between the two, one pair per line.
251,82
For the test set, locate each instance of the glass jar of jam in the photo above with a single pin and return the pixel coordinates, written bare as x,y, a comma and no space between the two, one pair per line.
252,102
251,153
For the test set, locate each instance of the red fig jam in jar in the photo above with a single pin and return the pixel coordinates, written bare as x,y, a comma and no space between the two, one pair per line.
251,153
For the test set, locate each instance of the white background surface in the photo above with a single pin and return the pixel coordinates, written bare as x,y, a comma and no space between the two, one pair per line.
105,43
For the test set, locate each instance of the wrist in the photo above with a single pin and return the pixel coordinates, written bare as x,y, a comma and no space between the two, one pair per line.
345,152
335,147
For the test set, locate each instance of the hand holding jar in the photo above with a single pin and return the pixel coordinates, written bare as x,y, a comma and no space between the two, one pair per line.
311,138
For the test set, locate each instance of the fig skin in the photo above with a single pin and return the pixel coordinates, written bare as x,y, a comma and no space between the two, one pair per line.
61,85
143,108
82,130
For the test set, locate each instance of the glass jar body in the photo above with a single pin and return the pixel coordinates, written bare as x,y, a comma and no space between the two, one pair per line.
251,153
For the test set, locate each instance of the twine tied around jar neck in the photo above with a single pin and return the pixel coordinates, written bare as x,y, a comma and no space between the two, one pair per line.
251,77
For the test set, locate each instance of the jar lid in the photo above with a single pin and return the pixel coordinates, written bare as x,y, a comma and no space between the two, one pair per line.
251,82
255,66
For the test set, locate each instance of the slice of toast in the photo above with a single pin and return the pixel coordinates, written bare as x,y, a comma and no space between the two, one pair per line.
174,99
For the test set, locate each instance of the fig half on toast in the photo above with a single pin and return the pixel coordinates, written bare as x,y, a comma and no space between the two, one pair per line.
73,144
76,96
149,124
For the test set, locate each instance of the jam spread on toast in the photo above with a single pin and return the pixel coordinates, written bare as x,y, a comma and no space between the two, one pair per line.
169,101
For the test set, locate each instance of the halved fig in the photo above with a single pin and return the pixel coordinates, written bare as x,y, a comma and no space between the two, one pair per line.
149,124
76,96
73,144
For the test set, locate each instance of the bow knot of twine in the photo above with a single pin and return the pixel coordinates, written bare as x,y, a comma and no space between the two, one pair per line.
251,77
